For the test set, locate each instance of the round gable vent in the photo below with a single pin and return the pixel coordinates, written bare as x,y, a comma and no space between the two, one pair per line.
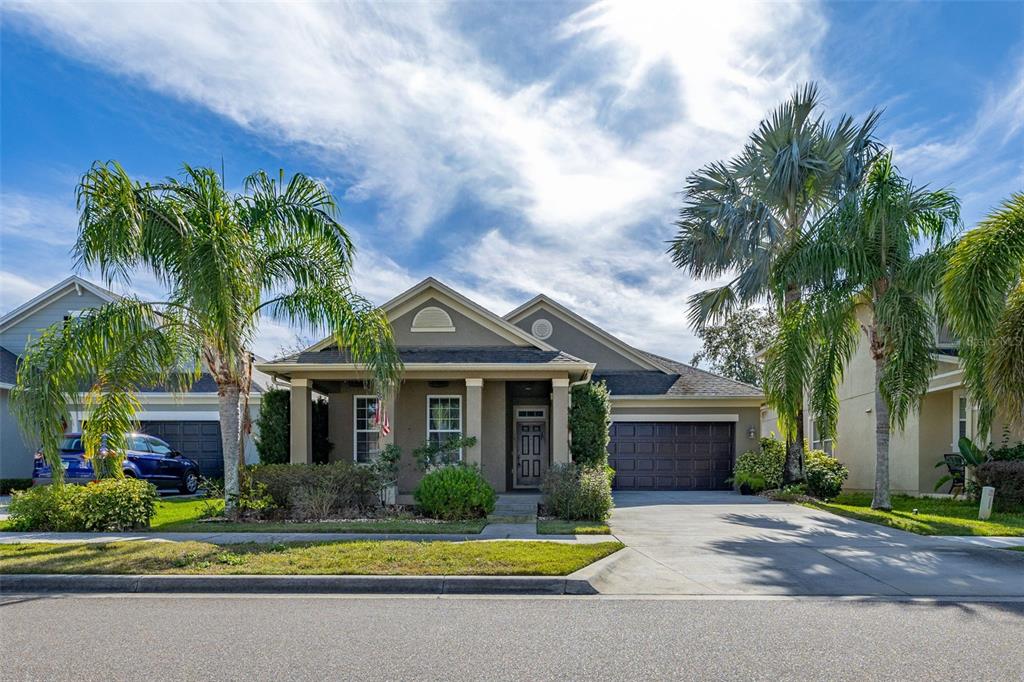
432,319
541,329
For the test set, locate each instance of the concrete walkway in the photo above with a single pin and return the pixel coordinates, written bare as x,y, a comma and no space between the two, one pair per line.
724,543
494,531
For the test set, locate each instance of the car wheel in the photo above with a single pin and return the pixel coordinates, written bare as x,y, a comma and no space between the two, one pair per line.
129,474
189,483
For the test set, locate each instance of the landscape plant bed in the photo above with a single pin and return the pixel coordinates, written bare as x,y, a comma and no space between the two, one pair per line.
552,526
192,516
387,557
936,516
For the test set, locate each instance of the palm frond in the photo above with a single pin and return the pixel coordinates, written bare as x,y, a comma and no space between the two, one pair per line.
986,265
98,360
906,323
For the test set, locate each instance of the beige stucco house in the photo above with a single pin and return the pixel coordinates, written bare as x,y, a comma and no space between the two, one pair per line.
945,414
507,381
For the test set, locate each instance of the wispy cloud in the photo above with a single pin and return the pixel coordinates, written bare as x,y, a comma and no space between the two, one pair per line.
15,290
37,219
981,160
406,110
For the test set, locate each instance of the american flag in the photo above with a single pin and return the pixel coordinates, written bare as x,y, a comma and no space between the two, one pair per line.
380,418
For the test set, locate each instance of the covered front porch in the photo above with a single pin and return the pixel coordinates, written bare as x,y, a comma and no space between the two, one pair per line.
519,417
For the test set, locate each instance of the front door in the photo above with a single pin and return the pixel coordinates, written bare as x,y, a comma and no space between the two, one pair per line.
531,449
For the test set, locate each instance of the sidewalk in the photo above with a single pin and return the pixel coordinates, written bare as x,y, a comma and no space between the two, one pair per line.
494,531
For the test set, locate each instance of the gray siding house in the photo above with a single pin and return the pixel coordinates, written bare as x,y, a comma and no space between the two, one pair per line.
188,422
507,381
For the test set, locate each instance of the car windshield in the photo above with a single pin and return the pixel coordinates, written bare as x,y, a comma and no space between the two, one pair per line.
72,444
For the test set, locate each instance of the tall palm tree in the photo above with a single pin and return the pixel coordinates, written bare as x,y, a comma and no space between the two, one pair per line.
983,296
739,215
885,252
277,250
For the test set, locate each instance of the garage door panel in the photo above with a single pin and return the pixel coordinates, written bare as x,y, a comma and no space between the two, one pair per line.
198,440
671,455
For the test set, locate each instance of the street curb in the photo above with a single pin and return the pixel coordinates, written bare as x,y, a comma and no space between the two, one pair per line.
591,574
292,584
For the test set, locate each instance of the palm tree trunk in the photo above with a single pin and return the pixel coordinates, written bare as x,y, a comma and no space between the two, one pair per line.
793,471
881,499
228,395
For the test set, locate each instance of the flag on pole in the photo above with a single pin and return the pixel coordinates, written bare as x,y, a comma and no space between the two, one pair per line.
380,418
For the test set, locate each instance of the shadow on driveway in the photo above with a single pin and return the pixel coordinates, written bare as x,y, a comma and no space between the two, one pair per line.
722,543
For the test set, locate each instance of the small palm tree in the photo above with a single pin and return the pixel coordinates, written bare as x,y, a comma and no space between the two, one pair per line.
983,296
277,250
739,215
885,252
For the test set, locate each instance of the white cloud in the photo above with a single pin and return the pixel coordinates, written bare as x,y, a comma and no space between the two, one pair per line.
980,161
37,218
402,105
15,290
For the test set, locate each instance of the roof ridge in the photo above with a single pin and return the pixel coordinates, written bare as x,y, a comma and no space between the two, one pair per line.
703,371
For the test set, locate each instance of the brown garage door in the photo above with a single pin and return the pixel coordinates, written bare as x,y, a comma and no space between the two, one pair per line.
671,455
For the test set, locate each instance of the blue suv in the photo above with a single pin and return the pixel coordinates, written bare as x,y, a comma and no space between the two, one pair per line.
148,458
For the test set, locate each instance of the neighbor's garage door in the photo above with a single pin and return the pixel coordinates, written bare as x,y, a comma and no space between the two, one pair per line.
671,455
198,440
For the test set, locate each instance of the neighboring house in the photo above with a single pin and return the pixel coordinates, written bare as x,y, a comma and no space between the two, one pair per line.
188,422
934,430
507,380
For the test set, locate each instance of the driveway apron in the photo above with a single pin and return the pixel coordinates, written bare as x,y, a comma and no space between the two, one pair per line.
725,543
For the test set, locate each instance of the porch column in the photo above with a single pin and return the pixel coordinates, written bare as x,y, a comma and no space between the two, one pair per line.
301,437
560,421
474,419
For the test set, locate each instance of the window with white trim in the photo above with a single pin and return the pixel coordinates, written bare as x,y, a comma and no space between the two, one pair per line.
444,418
366,437
963,424
819,443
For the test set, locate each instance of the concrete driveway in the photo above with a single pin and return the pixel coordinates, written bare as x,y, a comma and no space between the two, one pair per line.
725,543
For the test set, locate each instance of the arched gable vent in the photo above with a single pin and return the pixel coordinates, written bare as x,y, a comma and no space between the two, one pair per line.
432,319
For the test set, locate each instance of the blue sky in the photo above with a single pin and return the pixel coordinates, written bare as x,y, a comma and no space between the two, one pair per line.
505,148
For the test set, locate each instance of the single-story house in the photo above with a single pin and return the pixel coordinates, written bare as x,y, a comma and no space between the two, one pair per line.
507,381
188,422
944,416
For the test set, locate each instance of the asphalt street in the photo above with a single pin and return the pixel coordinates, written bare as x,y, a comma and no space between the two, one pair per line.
415,638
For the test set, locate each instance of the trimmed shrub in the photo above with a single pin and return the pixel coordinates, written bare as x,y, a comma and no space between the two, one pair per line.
824,474
590,416
274,424
761,469
47,508
272,441
573,492
118,504
1007,477
352,486
455,492
108,505
9,485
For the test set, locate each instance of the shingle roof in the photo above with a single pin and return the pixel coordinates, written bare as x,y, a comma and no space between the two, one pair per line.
205,384
446,355
686,381
8,366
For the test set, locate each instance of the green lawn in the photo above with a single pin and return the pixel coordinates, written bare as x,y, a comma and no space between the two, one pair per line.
184,515
335,558
560,527
934,517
